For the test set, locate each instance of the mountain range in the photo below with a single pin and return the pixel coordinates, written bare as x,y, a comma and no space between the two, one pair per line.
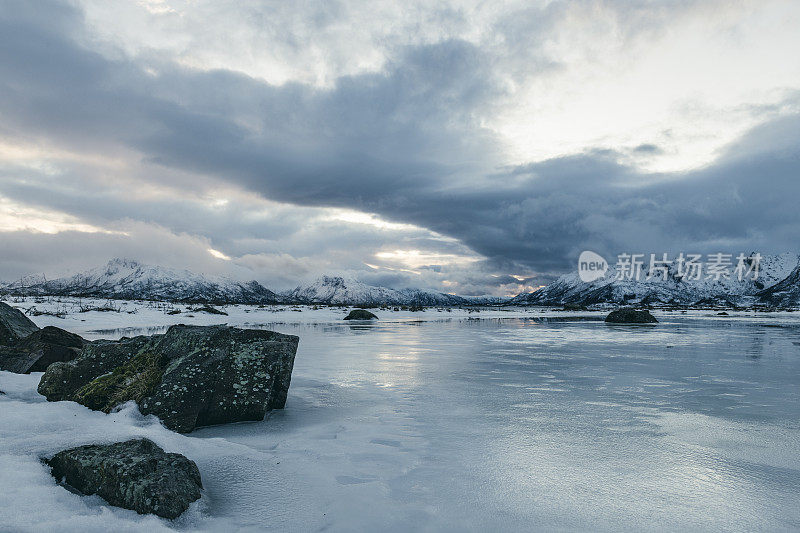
776,285
130,280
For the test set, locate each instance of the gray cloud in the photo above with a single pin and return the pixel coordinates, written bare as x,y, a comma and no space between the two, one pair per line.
406,143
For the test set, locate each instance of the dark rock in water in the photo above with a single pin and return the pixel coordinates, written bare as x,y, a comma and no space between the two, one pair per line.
631,316
14,326
574,307
722,313
40,349
61,381
360,314
189,377
210,310
134,474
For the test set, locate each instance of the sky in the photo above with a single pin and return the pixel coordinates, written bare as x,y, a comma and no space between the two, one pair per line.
468,147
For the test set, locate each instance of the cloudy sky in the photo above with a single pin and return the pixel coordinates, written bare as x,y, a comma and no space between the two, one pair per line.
471,147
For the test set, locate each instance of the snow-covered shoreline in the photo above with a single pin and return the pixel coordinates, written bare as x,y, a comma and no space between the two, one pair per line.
458,421
136,317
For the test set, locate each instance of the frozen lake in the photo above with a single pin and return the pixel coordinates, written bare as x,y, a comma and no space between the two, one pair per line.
507,423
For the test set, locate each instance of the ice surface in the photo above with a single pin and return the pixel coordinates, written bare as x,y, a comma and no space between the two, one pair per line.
454,424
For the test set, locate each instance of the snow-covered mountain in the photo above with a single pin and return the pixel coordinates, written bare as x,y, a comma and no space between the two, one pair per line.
336,290
785,293
128,279
570,289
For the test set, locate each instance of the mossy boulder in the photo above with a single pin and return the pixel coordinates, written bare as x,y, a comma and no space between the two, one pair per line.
134,474
219,374
631,316
191,376
62,380
40,349
360,314
14,325
135,380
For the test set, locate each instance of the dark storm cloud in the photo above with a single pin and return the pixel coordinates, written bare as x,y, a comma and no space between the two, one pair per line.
404,143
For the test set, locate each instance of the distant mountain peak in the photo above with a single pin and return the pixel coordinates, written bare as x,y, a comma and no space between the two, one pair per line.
342,290
132,280
119,263
338,281
123,262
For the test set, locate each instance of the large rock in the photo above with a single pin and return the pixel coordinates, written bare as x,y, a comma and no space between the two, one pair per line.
134,474
191,376
14,326
40,349
62,380
631,316
360,314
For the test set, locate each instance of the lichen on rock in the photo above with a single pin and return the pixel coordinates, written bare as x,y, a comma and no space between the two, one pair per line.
189,377
135,474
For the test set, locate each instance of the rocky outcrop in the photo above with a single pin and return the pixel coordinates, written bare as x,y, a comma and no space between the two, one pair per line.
631,316
14,326
134,474
25,348
360,314
40,349
189,377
